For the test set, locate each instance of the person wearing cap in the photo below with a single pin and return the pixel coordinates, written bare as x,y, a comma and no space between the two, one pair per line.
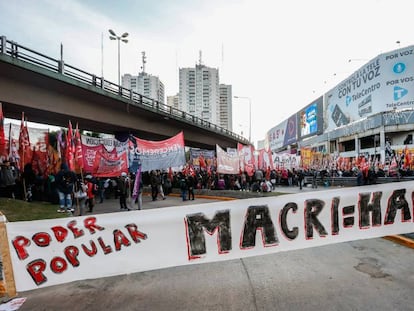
123,188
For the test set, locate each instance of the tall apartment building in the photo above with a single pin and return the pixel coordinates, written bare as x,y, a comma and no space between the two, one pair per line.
145,84
226,107
199,92
173,101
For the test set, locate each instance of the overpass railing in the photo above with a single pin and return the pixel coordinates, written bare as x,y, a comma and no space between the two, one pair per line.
17,51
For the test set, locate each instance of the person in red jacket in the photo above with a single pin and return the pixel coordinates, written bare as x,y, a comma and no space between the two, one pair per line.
92,187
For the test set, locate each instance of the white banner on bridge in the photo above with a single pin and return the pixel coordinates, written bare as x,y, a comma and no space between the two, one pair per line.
50,252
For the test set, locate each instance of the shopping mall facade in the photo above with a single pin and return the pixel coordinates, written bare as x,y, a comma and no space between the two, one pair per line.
370,114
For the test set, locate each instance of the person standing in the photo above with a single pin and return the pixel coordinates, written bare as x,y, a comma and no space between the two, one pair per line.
123,188
314,178
243,181
92,190
301,176
190,186
154,185
7,180
101,189
29,180
183,186
137,191
81,193
65,183
160,183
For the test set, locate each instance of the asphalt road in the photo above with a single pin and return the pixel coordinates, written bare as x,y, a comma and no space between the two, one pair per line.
373,274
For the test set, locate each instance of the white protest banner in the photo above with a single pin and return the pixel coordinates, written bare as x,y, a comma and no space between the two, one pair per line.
50,252
163,154
227,163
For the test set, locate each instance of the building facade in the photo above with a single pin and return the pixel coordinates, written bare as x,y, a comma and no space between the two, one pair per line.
225,107
368,115
199,92
173,101
145,84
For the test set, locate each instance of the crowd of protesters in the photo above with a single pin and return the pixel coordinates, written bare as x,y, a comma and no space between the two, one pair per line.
65,188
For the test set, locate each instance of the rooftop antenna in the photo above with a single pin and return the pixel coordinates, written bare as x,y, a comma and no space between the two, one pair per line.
200,61
144,61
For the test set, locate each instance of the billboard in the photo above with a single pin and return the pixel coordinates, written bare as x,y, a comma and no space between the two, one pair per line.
309,119
384,83
282,135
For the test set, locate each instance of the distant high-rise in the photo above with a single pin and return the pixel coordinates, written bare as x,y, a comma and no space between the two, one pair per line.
145,84
199,92
225,107
173,101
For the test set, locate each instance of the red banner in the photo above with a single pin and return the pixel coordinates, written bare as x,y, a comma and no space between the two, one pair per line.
109,164
89,155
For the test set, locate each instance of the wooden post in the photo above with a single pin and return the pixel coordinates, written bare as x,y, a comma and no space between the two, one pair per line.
7,286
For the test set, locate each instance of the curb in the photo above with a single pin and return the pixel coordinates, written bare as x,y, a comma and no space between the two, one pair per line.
400,240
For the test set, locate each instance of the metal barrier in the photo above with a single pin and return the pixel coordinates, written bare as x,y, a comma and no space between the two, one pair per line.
30,56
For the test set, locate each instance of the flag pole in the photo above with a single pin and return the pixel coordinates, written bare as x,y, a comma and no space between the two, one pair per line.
22,161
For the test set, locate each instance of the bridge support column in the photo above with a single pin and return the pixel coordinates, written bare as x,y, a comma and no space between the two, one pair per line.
357,147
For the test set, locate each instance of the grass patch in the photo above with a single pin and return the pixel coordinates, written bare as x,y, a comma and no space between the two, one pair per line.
18,210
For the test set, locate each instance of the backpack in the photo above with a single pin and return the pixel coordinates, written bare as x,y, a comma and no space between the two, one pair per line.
264,187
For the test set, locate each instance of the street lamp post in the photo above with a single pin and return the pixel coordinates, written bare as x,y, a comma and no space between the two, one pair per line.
250,115
114,36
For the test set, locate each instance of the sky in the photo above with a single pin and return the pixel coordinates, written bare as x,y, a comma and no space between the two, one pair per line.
279,55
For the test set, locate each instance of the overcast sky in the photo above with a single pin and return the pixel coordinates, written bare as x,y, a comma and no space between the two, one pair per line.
280,54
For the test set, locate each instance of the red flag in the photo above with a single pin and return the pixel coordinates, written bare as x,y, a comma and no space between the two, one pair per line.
24,144
70,148
78,148
209,170
191,170
407,158
2,136
202,161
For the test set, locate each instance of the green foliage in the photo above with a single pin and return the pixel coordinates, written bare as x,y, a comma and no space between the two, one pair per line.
18,210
